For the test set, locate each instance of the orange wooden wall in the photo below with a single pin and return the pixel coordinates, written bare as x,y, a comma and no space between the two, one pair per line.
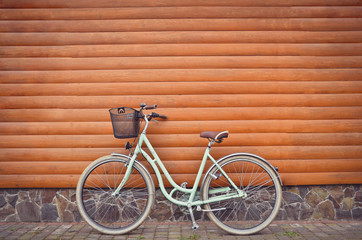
284,77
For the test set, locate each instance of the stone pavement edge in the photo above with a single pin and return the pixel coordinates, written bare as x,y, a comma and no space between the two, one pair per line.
278,230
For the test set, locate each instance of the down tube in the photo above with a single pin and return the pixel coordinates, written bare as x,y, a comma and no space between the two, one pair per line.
160,164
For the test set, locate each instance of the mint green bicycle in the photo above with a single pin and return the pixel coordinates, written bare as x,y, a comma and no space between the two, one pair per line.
241,192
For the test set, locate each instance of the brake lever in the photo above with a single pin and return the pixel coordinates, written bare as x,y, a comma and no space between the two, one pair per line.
150,118
154,120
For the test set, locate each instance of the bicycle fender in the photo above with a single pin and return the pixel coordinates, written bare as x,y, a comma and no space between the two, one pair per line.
242,155
120,155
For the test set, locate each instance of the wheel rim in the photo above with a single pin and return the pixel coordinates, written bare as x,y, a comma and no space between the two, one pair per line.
106,210
252,213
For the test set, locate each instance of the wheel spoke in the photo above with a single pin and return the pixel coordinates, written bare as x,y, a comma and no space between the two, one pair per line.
106,211
244,215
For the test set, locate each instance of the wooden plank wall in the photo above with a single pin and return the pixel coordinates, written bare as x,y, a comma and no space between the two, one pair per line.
284,77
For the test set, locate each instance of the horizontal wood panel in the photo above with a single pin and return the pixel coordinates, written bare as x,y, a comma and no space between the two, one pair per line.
217,24
284,77
183,140
169,3
184,153
230,49
185,127
180,167
180,12
60,39
175,75
174,88
180,62
222,100
70,181
321,178
188,114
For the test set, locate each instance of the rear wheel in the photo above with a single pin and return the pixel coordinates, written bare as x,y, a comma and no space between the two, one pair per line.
249,214
114,214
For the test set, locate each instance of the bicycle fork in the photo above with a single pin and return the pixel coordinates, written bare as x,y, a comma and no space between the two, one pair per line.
129,166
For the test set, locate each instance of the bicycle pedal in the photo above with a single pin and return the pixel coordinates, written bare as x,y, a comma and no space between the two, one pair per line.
195,226
183,185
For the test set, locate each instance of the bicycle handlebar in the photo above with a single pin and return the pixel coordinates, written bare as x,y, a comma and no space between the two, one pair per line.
144,106
149,107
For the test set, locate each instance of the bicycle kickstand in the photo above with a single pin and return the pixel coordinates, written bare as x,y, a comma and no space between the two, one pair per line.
194,224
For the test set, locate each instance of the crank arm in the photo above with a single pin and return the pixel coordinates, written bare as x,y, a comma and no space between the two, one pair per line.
210,210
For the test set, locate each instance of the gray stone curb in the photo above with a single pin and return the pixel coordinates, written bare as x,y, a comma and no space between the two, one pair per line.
278,230
300,203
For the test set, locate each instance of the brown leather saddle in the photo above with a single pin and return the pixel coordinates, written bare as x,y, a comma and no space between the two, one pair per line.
216,136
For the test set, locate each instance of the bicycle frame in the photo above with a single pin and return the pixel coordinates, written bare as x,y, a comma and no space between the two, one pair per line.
143,139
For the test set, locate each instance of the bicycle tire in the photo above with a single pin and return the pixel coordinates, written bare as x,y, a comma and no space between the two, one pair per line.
114,214
264,194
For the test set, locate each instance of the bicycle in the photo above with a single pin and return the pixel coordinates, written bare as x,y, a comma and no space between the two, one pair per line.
241,192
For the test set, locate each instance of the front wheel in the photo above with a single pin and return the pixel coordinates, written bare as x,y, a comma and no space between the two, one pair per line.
114,213
260,204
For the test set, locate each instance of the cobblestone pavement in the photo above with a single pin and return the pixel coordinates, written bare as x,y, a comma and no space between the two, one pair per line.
182,231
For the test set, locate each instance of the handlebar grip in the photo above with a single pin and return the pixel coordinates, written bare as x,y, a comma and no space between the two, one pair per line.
156,115
148,107
162,116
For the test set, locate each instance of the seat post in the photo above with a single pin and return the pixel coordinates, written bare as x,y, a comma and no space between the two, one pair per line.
212,142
